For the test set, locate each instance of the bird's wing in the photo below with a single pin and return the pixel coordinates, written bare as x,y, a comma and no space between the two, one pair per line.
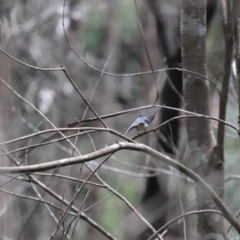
138,121
152,115
131,127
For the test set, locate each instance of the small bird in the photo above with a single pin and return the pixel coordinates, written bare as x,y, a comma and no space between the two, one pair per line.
142,122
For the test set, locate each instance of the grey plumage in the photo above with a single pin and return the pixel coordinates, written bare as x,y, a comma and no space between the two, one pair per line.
142,122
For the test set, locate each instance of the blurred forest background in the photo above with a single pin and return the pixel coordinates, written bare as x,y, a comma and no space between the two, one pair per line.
103,34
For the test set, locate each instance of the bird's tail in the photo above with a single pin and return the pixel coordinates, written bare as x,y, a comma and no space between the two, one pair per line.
152,115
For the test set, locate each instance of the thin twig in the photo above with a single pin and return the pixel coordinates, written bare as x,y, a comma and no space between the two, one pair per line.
28,65
37,110
135,147
64,214
146,48
31,147
100,201
95,87
128,74
179,192
83,216
111,74
183,215
228,36
188,116
84,99
237,59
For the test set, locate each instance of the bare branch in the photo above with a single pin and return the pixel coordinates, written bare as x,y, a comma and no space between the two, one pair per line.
227,30
183,215
28,65
135,147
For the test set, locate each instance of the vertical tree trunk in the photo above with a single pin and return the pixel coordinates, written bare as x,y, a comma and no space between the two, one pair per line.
196,95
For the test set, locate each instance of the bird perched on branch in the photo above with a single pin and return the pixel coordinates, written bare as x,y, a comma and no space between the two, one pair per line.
142,122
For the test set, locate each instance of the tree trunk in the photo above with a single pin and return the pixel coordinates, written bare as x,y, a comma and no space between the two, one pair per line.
196,95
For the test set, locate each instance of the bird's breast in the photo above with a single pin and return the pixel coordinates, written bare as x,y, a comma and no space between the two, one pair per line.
142,126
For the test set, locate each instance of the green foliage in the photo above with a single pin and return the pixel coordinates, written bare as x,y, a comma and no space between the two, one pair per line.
215,48
125,24
92,29
127,21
